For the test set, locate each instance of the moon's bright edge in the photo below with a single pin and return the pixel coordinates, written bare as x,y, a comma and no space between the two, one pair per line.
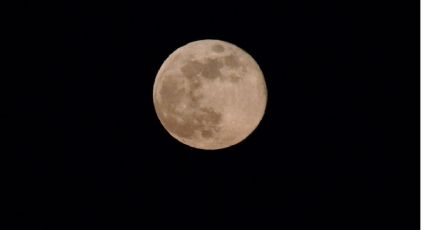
210,94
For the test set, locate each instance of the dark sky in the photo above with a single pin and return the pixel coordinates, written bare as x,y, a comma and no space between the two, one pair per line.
338,147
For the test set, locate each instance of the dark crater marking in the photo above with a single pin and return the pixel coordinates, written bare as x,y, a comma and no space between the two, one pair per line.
203,119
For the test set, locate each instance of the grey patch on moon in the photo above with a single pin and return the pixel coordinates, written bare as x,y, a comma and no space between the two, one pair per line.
211,69
170,95
194,107
235,78
217,48
231,61
204,120
192,68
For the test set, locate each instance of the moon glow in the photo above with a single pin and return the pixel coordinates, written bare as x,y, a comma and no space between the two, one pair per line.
210,94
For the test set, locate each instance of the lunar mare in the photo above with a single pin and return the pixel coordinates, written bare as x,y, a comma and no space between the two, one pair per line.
210,94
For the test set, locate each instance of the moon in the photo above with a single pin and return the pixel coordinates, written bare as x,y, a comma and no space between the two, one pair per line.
210,94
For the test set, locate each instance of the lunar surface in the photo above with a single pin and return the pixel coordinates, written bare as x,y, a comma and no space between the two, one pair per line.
210,94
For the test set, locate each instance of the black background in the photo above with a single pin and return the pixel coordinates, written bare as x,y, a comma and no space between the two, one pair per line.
338,147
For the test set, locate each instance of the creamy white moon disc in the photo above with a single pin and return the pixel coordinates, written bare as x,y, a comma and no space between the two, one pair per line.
210,94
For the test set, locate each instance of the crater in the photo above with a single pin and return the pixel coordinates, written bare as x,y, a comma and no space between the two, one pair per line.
235,78
194,83
195,119
231,61
191,69
194,98
209,116
206,133
203,120
211,69
186,123
185,128
171,95
217,48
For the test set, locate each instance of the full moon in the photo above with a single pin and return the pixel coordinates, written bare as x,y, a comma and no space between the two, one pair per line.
210,94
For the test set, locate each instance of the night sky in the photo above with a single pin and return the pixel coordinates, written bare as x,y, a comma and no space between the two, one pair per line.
338,146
